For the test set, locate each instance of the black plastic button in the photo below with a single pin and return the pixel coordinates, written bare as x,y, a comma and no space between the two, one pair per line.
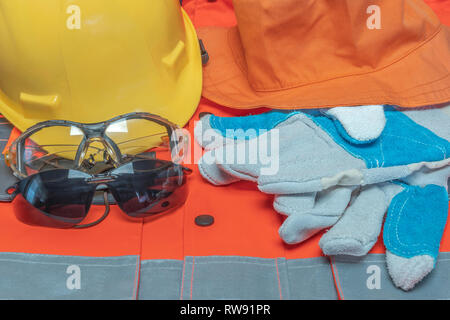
204,220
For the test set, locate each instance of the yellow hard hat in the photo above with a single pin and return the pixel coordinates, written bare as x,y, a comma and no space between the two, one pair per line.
88,61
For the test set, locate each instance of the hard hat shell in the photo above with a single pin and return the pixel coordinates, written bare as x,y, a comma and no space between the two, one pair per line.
88,61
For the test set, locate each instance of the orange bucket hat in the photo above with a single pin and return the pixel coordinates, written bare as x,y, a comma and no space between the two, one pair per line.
328,53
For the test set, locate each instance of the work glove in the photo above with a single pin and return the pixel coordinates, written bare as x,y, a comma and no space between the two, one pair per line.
294,152
415,221
363,124
310,212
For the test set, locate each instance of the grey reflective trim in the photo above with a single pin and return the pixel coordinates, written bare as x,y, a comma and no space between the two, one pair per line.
160,279
37,276
368,278
311,279
7,178
232,277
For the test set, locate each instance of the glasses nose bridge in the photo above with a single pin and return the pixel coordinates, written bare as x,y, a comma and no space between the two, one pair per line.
95,137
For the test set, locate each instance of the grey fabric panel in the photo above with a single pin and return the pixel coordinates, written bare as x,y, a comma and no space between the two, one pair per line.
240,278
230,278
37,276
311,279
160,279
367,278
7,178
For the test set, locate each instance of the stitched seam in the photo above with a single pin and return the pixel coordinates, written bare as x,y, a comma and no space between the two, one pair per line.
387,98
288,86
138,263
428,133
425,132
336,277
236,262
134,294
342,260
66,263
396,227
278,278
400,243
410,52
182,279
160,268
192,275
338,145
305,267
422,143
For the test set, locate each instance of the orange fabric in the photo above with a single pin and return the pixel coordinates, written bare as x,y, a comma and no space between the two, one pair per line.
115,236
206,13
245,222
442,9
284,54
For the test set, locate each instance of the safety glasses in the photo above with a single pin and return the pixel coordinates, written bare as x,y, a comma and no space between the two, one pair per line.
98,147
61,198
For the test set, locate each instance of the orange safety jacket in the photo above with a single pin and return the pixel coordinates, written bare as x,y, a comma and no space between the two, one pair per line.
239,256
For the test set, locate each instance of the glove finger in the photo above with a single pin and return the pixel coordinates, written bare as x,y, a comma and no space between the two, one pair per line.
358,229
299,227
229,163
407,272
310,213
212,172
294,203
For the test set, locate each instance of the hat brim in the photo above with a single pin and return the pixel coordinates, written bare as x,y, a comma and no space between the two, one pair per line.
419,78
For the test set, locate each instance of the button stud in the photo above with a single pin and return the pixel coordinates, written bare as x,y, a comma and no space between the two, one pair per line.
204,220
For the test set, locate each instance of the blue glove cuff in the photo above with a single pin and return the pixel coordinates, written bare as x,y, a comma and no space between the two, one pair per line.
402,142
249,127
415,221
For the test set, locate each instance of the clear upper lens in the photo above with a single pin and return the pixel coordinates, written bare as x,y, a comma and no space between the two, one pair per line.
105,148
140,138
50,148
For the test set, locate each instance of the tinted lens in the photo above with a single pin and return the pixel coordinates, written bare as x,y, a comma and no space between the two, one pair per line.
57,198
149,187
51,148
140,137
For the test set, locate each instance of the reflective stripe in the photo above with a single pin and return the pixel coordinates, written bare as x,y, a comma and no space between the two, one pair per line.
160,279
38,276
368,278
233,277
